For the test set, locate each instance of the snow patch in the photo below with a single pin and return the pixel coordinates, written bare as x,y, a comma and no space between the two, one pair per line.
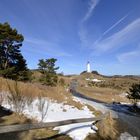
57,112
123,95
98,106
94,80
127,136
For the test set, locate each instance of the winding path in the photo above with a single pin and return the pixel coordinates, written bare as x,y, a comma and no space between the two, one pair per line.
131,121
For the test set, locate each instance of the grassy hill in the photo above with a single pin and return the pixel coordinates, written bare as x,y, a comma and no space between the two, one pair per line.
108,90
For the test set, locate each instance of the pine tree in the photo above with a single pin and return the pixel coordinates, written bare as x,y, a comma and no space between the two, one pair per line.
12,63
134,93
48,70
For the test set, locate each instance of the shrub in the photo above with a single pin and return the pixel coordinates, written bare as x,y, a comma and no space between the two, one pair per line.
134,93
48,70
107,128
62,81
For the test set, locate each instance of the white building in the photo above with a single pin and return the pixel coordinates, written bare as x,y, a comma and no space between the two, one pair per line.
88,67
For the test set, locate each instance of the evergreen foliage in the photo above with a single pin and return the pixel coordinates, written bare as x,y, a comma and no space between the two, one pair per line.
134,93
12,63
48,70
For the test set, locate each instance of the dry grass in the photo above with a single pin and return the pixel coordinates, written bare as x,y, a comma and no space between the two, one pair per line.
114,82
33,90
60,95
103,94
37,75
37,134
10,119
121,83
48,134
109,90
94,111
107,130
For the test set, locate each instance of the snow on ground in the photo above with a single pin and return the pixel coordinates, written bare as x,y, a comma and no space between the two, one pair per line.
138,104
94,80
96,105
128,119
123,95
127,136
57,112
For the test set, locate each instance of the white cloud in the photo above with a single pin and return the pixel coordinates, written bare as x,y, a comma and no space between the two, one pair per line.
83,30
111,28
114,25
92,5
47,47
127,56
128,34
83,36
132,56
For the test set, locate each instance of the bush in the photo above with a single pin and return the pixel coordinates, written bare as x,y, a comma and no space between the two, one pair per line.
62,81
134,93
48,70
107,128
49,79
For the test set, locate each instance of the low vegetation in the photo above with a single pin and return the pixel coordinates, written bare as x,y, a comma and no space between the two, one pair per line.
16,100
134,94
48,71
120,83
103,94
107,130
32,90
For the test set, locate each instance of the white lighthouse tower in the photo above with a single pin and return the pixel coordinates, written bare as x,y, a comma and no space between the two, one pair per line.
88,67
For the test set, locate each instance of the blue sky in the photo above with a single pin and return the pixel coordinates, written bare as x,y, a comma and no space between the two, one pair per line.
104,32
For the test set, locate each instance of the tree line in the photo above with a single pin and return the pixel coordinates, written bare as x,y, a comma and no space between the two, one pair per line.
12,63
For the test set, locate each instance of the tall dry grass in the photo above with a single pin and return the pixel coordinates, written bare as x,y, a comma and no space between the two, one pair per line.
32,90
16,99
107,128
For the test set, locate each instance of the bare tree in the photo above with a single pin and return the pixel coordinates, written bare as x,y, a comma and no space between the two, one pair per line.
43,106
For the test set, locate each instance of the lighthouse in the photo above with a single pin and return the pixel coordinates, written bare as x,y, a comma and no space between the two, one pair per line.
88,67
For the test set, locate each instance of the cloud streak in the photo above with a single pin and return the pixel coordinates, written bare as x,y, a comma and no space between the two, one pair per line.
46,47
92,5
83,30
127,35
128,56
112,27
